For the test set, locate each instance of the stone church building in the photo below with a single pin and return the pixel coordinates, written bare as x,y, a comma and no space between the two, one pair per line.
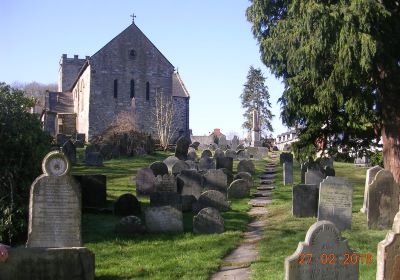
122,78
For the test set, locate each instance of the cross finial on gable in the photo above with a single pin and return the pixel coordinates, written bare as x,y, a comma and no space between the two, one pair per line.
133,17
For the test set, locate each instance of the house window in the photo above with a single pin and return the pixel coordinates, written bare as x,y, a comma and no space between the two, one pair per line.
115,88
147,91
132,88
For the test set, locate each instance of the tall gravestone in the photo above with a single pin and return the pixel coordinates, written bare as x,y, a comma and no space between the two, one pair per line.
55,206
368,180
225,162
305,200
383,200
182,147
287,173
303,168
388,256
335,202
215,179
321,256
144,181
285,157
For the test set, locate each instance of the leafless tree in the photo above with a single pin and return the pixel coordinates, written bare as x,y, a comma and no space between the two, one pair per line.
164,118
37,91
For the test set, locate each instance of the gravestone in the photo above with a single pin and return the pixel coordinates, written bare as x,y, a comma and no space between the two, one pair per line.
94,159
179,166
219,153
70,151
190,182
287,173
170,161
187,202
208,220
145,181
228,174
159,168
130,225
165,183
182,147
246,176
206,163
222,142
242,154
286,157
93,189
313,177
368,180
335,202
206,153
192,155
235,142
230,153
163,219
192,164
303,168
213,199
305,200
328,171
388,256
246,166
225,162
383,200
322,255
172,199
239,188
55,206
127,204
215,179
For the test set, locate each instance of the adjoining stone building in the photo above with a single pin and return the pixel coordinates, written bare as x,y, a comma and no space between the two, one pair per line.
122,77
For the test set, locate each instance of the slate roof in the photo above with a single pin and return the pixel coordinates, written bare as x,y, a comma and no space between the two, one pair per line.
60,102
178,88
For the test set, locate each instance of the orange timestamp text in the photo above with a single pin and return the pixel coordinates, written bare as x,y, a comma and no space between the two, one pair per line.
333,259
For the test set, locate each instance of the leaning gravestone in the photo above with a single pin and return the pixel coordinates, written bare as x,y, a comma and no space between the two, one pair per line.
239,189
145,180
246,166
163,219
55,206
182,147
169,162
368,180
206,153
313,177
206,163
190,182
322,255
179,166
388,257
225,162
208,220
215,179
159,168
70,151
305,200
287,173
213,199
383,200
335,202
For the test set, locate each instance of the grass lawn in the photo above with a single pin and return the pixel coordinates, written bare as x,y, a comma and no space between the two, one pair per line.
155,256
283,231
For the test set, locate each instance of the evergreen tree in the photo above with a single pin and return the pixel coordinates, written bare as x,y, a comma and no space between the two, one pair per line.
255,96
340,62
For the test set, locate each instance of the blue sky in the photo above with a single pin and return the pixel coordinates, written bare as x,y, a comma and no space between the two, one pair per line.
210,42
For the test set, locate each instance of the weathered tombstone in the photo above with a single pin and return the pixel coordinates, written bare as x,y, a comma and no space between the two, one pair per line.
286,157
170,161
246,166
208,220
192,155
172,199
163,219
388,256
313,177
230,153
93,189
213,199
130,225
182,147
239,188
305,200
246,176
215,179
228,174
70,151
287,173
206,153
219,153
190,182
206,163
145,180
368,180
165,183
159,168
335,202
225,162
179,166
222,142
242,154
383,200
94,159
322,255
303,168
235,142
192,164
55,206
127,204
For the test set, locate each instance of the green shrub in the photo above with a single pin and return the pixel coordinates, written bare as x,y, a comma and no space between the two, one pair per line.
376,158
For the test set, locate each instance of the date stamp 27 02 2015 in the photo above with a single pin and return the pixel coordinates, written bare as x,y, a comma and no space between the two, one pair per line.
333,259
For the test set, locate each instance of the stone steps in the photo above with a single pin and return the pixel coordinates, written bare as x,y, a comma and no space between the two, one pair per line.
265,188
260,201
264,193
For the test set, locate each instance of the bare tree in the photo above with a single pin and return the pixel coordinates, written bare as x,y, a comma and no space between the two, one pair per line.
164,118
37,91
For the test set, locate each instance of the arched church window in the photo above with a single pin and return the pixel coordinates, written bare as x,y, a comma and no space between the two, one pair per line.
115,88
132,88
147,91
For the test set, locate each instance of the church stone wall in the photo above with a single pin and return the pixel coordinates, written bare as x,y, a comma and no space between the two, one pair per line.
81,96
68,72
181,117
129,56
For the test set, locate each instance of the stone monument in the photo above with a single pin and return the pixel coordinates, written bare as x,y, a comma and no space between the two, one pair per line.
255,131
368,180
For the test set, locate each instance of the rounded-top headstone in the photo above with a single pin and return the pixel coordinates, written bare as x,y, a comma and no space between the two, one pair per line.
145,181
192,155
246,166
239,188
56,164
159,168
127,204
182,146
215,199
179,166
244,175
219,153
170,161
208,220
206,163
206,153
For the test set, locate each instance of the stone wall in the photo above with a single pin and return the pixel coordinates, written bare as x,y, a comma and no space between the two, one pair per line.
181,117
81,96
